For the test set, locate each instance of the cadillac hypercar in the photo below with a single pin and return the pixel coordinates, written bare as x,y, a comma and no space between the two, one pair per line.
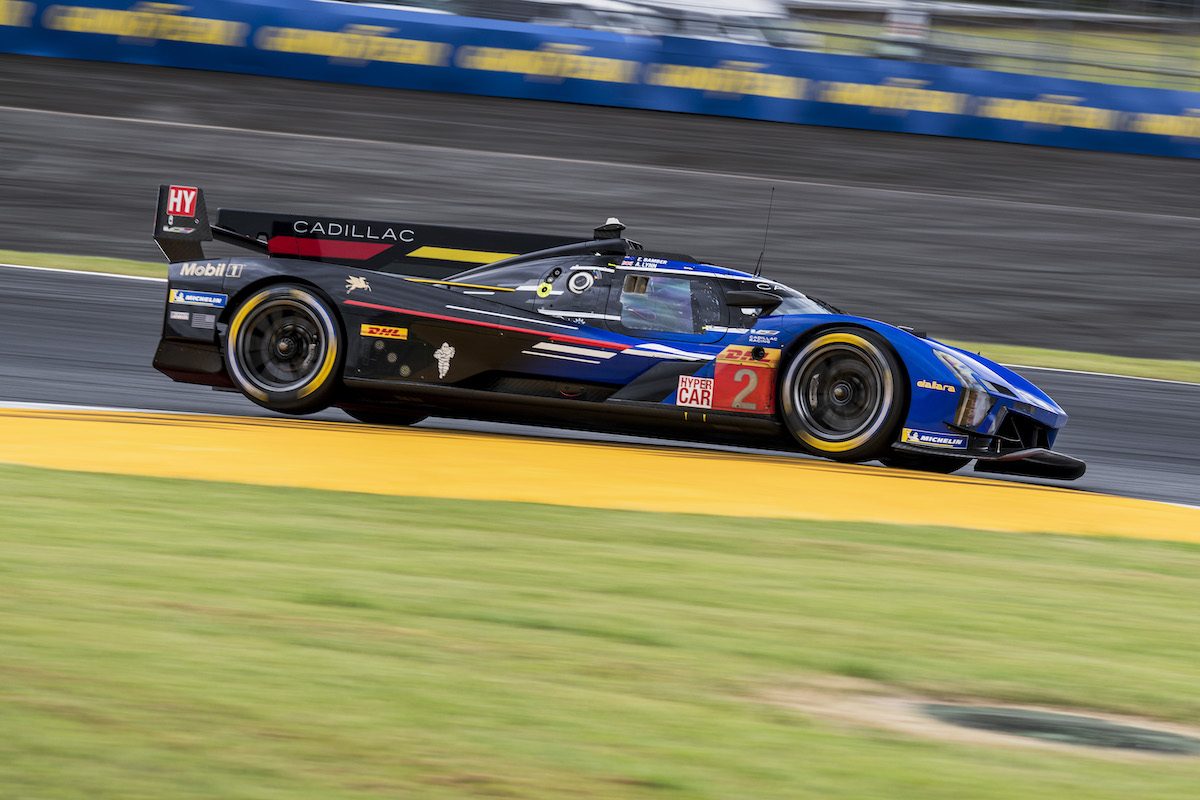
394,322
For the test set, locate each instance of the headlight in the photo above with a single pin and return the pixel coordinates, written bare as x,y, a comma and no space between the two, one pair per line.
975,402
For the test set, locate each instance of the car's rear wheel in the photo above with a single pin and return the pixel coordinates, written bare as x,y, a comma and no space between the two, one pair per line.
386,416
843,395
924,463
283,349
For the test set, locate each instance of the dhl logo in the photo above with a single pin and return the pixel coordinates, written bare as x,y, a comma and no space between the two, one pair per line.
383,332
744,354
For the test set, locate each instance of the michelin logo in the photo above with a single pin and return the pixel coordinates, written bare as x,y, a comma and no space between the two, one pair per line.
183,297
929,439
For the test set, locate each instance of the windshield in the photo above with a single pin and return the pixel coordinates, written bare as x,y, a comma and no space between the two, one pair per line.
796,303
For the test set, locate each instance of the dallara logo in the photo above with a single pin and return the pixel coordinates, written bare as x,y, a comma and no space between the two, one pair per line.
383,332
936,385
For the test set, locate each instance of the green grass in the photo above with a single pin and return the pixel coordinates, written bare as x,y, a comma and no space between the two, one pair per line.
1162,368
171,639
119,266
1010,354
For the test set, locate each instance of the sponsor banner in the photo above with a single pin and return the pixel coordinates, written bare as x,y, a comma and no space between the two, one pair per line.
951,441
184,297
383,332
378,46
205,269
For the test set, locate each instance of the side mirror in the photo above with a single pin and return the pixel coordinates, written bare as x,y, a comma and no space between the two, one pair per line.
752,298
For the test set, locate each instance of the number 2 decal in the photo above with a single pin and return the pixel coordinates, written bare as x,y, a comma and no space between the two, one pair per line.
744,379
750,378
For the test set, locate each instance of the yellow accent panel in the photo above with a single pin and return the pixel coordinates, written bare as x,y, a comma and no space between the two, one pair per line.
362,458
456,283
452,254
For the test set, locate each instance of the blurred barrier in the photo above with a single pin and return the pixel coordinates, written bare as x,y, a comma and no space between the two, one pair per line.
349,43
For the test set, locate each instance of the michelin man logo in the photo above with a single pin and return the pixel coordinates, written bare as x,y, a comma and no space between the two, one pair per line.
443,355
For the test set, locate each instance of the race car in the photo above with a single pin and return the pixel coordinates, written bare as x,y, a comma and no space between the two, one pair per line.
394,322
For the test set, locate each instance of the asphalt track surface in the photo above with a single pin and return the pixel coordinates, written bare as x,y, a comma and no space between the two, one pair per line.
969,240
80,339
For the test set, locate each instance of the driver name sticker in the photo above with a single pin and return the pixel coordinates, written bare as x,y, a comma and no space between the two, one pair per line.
694,392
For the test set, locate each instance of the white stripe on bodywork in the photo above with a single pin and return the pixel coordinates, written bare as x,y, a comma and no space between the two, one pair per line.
564,358
579,351
578,314
511,316
673,351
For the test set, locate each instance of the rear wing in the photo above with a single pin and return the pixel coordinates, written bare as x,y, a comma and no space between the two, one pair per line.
182,226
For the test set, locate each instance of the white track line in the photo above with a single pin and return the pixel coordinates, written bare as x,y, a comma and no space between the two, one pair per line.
86,272
1104,375
1011,366
319,137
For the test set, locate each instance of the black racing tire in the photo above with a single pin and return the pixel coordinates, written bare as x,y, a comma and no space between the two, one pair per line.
284,349
844,394
386,416
924,463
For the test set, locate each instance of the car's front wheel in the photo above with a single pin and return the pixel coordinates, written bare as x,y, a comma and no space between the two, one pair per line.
843,395
283,349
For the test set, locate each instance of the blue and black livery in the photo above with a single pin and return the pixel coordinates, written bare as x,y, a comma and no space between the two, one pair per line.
397,322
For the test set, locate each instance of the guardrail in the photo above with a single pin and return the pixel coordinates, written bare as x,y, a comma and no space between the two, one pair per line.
384,47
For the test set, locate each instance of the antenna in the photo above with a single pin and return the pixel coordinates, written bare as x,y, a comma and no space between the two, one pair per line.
770,208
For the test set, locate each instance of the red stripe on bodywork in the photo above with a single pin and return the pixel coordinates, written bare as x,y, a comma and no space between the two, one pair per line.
556,337
324,248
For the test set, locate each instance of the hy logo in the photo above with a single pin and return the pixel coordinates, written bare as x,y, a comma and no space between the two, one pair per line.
181,201
355,283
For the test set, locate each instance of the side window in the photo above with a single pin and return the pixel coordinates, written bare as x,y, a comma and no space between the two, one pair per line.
666,304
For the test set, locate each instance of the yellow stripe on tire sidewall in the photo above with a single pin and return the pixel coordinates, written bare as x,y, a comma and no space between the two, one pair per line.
330,354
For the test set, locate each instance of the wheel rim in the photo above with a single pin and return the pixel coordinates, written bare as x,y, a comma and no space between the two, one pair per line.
281,345
842,393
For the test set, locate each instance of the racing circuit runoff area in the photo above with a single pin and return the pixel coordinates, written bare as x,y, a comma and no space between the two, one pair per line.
458,609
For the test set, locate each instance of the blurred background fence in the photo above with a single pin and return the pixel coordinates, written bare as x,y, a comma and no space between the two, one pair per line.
1121,78
1128,42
